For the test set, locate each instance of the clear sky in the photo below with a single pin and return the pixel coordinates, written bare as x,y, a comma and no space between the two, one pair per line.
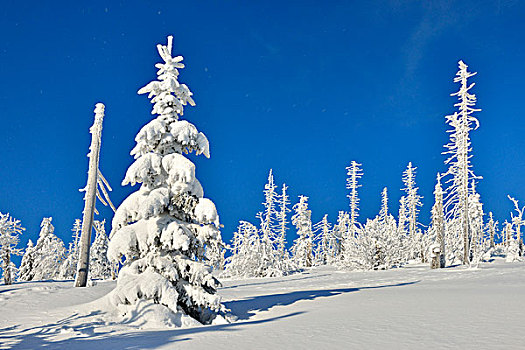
303,87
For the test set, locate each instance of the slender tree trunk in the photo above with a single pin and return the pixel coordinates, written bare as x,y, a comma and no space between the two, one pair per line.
7,269
90,198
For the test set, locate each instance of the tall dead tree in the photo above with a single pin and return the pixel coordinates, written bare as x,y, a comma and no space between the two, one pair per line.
91,193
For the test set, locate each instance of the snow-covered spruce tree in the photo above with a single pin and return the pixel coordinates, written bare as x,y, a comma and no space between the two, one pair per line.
324,252
302,249
99,264
460,168
25,272
491,228
245,253
477,249
282,216
10,228
412,202
438,226
48,254
269,228
68,269
402,216
378,245
339,233
517,222
354,173
163,229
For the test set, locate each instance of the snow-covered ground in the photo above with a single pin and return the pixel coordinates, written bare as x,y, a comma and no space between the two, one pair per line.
322,308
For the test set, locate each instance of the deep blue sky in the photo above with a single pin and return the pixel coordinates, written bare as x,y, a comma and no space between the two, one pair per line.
302,87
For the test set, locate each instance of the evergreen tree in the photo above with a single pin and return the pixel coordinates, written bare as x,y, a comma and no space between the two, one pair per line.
10,228
26,270
163,229
491,227
413,202
99,264
517,222
324,253
68,269
284,209
245,253
302,249
476,214
438,226
49,253
460,168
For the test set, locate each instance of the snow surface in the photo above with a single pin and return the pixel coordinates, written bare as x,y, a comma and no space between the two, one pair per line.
321,308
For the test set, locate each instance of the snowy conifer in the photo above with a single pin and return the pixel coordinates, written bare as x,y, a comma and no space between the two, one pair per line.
49,253
10,228
163,229
25,272
460,168
245,253
69,266
354,173
282,215
438,226
324,252
517,222
269,218
412,202
378,244
340,234
99,264
302,249
477,246
491,227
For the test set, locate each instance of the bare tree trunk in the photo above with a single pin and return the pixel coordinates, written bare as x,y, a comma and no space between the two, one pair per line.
7,269
90,197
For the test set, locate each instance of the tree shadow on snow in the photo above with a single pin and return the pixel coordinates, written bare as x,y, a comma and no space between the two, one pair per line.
244,309
280,280
82,332
91,331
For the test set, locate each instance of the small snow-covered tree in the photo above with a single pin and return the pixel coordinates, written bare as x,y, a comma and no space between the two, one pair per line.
324,253
378,244
476,226
99,264
163,229
517,222
245,253
340,234
412,203
68,269
302,249
282,216
26,270
460,168
354,173
48,254
491,228
438,226
10,228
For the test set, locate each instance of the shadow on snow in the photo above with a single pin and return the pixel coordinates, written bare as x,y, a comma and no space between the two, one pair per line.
91,331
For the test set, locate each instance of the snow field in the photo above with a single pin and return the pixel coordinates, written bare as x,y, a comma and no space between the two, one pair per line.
321,308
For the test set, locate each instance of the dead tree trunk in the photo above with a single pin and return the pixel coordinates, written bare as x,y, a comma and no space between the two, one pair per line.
90,197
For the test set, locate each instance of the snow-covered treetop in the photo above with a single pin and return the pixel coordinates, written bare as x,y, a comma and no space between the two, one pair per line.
384,204
46,227
168,95
166,133
10,228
